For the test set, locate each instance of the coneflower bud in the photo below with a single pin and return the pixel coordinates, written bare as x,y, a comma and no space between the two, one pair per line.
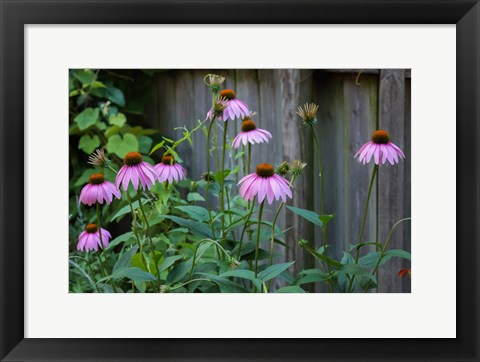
282,169
207,177
302,243
214,81
296,169
308,113
98,158
232,262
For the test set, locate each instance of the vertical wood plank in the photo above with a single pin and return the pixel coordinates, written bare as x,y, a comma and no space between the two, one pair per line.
294,147
361,99
407,236
391,207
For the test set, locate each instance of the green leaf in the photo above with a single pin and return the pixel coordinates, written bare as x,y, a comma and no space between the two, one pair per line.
195,196
168,262
115,95
311,216
195,212
137,261
290,289
144,144
195,227
313,276
274,270
87,118
88,144
85,76
219,176
354,246
135,274
179,271
156,147
354,269
124,210
225,285
244,274
118,119
121,146
325,218
369,261
399,253
120,239
125,261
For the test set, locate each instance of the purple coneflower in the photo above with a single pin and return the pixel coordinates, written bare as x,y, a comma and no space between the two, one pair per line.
97,190
90,238
265,184
136,171
169,170
250,133
234,108
381,149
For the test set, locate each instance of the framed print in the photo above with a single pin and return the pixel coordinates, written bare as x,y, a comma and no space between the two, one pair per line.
239,181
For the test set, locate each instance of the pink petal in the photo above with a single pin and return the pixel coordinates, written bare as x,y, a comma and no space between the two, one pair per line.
270,193
120,176
376,154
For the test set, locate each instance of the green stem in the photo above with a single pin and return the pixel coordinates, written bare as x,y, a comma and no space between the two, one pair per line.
244,228
103,270
222,184
152,246
385,247
99,224
258,237
322,192
196,249
272,239
249,160
208,177
362,228
135,231
227,194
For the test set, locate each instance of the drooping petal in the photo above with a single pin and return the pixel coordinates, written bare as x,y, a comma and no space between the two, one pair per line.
370,153
399,151
270,193
262,189
120,176
376,154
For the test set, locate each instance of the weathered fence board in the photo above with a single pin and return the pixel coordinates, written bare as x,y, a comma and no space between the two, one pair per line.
391,182
352,106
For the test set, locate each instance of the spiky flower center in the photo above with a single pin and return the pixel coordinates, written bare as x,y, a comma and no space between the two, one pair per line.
97,179
168,160
265,170
132,159
248,125
228,94
380,137
91,228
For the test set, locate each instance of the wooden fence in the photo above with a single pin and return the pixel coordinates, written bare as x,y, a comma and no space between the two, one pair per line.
353,103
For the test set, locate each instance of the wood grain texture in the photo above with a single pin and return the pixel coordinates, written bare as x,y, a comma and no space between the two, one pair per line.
391,181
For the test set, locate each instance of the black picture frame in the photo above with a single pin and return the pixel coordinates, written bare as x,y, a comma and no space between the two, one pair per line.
15,14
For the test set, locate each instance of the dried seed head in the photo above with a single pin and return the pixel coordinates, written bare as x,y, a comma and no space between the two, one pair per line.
308,113
98,158
214,81
297,167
